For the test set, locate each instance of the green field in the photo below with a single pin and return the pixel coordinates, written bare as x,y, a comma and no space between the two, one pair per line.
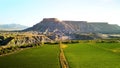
39,57
79,55
93,55
114,47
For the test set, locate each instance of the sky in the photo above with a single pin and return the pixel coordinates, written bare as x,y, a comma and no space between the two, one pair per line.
30,12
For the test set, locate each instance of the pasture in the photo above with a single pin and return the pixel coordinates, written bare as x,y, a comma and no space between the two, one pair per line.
78,55
93,55
39,57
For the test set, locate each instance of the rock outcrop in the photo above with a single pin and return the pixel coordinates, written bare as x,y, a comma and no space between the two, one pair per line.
52,24
104,27
13,39
80,26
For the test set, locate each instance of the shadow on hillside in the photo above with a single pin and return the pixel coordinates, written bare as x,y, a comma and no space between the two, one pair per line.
5,41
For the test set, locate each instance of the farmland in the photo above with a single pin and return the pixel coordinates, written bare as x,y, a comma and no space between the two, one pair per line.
92,55
78,55
37,57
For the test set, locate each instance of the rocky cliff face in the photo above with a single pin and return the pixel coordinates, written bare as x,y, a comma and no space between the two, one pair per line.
104,27
80,26
52,24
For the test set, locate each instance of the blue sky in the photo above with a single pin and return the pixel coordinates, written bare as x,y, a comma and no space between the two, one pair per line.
30,12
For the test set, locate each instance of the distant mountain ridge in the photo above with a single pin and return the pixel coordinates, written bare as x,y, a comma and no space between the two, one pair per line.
52,24
105,27
10,27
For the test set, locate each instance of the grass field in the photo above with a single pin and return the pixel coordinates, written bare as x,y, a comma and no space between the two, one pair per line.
114,47
92,55
39,57
79,55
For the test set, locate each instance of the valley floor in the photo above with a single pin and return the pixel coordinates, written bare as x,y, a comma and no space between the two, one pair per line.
93,55
38,57
78,55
